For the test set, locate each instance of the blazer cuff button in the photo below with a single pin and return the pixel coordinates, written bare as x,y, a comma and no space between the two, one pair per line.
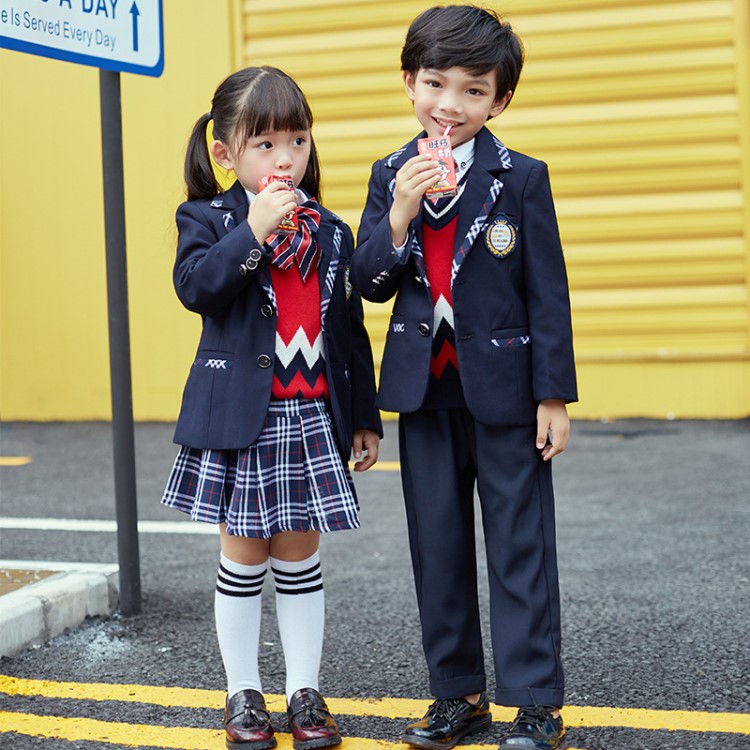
255,255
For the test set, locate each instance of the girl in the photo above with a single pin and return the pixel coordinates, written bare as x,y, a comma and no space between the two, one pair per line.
281,389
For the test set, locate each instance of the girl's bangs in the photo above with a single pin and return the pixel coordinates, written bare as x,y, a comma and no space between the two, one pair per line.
273,105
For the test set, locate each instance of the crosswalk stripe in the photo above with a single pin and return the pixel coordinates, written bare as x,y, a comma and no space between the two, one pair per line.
387,708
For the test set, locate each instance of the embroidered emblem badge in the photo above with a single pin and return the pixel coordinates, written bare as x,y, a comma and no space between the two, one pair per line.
500,237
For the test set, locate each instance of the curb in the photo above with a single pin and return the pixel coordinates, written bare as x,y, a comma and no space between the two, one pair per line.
39,611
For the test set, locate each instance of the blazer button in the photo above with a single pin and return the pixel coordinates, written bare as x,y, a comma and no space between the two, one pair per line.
266,311
264,361
423,329
255,254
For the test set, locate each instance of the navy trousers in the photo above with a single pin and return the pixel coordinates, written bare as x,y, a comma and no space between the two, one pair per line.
444,453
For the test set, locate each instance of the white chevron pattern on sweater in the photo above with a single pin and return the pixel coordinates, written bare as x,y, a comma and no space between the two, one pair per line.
442,312
299,343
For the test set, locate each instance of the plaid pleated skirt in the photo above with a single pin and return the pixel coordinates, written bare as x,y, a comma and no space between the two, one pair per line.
291,479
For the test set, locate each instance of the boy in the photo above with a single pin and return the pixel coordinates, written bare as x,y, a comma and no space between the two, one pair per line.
479,362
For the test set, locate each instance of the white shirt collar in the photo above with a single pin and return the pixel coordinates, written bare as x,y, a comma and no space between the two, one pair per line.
464,158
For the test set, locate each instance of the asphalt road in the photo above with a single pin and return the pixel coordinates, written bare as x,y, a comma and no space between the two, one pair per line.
654,567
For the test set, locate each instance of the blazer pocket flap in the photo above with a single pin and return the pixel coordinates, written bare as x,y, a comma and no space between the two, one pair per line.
503,337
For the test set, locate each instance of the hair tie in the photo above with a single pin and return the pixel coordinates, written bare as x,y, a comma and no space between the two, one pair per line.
209,115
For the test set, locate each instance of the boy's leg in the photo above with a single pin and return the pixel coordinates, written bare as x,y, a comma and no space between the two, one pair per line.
515,490
438,475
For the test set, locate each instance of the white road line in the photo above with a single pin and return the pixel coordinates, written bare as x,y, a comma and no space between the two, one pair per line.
79,524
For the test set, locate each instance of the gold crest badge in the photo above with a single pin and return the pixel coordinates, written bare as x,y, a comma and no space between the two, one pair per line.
500,237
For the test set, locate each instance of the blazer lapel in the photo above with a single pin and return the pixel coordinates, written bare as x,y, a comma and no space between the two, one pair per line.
233,205
483,188
329,240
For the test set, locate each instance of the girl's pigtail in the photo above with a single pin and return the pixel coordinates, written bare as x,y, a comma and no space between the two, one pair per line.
199,174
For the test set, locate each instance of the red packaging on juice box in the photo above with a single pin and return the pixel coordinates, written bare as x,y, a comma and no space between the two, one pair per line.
289,224
440,150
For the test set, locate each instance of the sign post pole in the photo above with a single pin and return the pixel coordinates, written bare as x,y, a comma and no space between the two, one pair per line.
126,505
128,39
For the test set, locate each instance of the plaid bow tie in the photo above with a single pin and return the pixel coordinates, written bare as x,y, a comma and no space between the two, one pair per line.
302,246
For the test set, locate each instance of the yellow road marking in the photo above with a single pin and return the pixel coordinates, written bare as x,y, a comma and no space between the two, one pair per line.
16,460
149,735
387,708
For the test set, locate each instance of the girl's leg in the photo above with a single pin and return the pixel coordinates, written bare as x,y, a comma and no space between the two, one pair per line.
238,607
300,605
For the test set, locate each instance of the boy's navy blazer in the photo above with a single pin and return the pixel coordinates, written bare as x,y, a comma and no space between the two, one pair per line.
221,272
511,306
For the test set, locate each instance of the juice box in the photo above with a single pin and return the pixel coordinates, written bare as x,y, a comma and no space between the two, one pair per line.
440,150
289,223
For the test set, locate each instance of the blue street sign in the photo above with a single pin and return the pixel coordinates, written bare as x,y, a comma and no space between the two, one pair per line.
119,35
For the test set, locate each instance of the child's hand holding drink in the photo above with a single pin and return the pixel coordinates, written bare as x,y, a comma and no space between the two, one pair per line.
288,223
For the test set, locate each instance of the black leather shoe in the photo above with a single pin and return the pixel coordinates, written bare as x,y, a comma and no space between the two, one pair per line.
448,721
535,728
310,721
247,722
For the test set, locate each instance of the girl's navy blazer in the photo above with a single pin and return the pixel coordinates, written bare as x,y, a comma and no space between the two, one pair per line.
511,305
221,272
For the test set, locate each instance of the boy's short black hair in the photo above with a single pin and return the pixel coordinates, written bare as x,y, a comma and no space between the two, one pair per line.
465,36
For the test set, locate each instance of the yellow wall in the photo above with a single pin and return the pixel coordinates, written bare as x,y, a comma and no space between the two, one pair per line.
53,347
640,108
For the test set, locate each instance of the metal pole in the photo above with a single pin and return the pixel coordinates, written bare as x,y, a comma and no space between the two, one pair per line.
126,506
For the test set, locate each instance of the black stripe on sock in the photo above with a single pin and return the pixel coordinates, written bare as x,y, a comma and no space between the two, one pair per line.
239,585
295,573
241,577
310,590
226,592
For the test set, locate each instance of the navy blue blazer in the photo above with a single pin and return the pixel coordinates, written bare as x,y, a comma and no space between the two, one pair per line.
510,291
221,272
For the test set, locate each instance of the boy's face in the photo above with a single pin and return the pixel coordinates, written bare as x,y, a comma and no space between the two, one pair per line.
456,97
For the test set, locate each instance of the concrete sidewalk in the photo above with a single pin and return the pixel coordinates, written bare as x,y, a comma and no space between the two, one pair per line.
42,599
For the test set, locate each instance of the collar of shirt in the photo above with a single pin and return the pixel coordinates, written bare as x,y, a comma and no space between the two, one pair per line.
463,155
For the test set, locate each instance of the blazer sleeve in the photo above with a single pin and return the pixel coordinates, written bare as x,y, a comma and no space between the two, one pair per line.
547,296
376,265
365,415
211,269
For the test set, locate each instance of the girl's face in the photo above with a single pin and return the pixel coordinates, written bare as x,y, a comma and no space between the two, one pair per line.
279,152
455,97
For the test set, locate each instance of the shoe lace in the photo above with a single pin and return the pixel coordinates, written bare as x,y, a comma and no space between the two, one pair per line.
445,707
536,716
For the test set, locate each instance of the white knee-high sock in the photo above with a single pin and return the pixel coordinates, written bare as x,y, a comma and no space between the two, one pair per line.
300,608
237,609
